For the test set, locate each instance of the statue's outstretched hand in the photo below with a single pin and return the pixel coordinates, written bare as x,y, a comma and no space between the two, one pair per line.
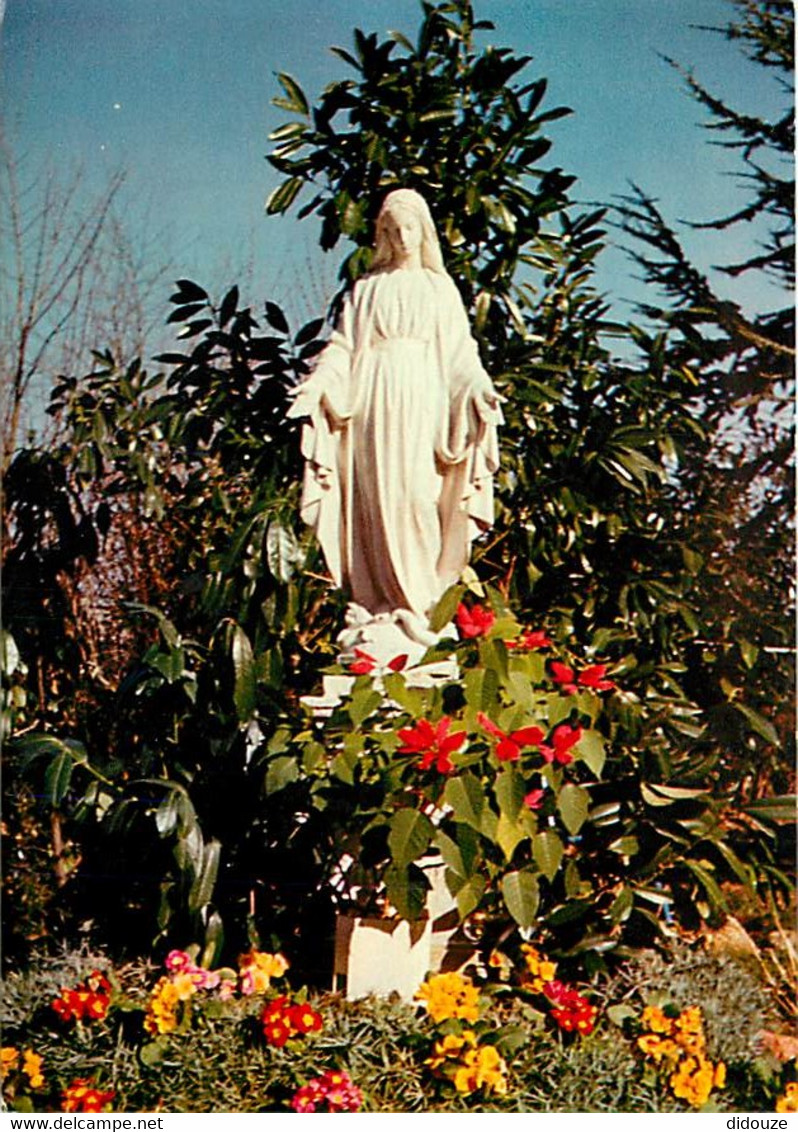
305,400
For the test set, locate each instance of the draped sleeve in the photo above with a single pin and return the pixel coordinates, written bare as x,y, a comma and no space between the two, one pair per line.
469,450
325,400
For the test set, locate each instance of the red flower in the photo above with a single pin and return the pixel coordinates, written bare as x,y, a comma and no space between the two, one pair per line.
593,677
83,1096
363,665
528,642
563,739
564,676
508,749
83,1002
434,744
474,622
304,1019
534,799
571,1011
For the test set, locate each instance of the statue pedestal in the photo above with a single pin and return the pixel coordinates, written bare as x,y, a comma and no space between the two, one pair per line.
383,956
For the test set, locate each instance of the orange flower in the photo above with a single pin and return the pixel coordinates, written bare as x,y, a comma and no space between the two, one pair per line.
84,1096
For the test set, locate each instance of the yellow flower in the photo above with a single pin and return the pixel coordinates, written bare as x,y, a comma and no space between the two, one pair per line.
162,1009
720,1076
690,1021
32,1068
184,985
9,1057
482,1068
449,1048
541,970
693,1080
257,968
789,1102
449,996
654,1019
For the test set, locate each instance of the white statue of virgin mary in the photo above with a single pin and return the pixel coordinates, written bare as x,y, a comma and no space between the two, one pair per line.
400,443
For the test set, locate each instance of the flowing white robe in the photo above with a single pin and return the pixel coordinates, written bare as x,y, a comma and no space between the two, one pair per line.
401,444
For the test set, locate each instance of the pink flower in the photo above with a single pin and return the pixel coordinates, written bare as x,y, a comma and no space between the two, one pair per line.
593,677
528,642
563,739
433,743
474,622
534,799
226,990
334,1088
508,749
177,961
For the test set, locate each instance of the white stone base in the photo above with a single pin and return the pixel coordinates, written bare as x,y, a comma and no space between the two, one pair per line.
384,956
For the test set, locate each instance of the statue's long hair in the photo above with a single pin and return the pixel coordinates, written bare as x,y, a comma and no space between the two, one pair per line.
407,200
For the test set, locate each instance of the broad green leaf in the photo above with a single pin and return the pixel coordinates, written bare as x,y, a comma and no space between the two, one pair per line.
244,677
509,834
409,837
166,814
547,850
573,803
467,799
312,754
280,772
411,699
57,778
469,895
295,100
708,883
590,749
9,654
406,889
510,790
749,653
364,703
205,881
283,196
282,551
446,608
622,905
459,853
522,896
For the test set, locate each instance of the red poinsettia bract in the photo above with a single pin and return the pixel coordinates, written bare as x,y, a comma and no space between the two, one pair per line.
474,622
433,742
563,738
592,678
509,746
529,642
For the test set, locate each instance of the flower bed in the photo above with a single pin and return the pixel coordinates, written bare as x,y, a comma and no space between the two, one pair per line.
511,1037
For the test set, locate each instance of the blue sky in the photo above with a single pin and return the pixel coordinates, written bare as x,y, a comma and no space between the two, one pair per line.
178,92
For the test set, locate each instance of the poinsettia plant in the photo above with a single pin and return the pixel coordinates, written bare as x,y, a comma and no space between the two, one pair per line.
530,773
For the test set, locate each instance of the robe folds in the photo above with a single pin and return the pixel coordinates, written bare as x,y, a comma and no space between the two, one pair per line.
400,444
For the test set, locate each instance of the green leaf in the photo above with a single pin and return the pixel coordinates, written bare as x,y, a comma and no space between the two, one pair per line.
411,699
708,883
522,896
763,727
459,853
779,809
406,889
510,790
244,675
9,654
282,552
547,850
364,703
57,778
655,794
446,608
152,1054
281,772
409,837
573,803
590,749
205,881
295,100
467,799
509,834
469,894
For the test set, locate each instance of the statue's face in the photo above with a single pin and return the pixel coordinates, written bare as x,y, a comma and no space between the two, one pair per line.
404,232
